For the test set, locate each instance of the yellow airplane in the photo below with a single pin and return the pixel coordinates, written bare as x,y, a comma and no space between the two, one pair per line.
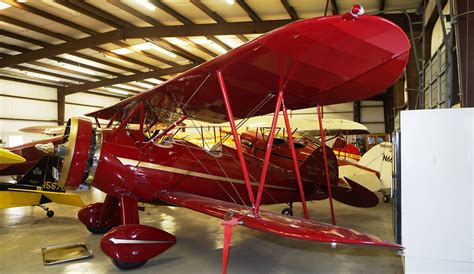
37,187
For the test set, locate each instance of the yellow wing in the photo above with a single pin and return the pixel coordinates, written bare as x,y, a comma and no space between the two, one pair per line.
7,157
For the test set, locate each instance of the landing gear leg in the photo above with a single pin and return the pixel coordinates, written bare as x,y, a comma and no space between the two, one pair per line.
289,210
49,213
101,217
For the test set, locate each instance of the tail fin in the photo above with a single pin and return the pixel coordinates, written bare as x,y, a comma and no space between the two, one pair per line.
43,174
379,158
313,167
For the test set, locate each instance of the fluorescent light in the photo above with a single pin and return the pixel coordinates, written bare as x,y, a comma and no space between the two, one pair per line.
155,81
144,85
80,69
176,41
143,46
116,59
146,46
118,91
146,4
218,48
39,75
230,2
122,51
200,40
4,5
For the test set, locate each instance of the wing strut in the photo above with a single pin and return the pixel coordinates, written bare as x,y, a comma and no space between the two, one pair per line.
230,115
323,141
268,151
295,161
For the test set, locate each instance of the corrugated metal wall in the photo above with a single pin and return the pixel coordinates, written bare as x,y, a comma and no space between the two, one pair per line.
38,108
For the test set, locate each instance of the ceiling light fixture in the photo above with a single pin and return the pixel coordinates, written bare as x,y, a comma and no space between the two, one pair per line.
148,45
230,2
42,76
118,91
218,48
4,5
148,86
80,69
122,51
146,4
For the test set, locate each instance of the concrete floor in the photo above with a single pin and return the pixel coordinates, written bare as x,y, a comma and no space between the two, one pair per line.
25,231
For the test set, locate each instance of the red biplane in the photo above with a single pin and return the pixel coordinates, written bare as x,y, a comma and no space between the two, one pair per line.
319,61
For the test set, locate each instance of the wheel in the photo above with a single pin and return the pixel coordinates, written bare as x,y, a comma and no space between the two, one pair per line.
98,230
287,211
386,198
126,266
50,213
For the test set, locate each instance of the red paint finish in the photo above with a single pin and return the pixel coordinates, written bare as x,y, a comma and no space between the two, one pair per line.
135,243
326,167
231,119
81,136
99,217
281,225
295,161
268,151
334,61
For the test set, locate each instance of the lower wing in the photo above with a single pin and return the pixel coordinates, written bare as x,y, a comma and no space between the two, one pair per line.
281,225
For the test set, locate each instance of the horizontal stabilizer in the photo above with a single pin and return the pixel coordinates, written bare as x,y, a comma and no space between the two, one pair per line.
281,225
10,199
356,195
56,197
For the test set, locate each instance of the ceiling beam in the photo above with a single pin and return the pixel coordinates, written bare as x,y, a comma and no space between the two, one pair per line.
161,42
62,21
289,9
185,21
250,12
144,32
216,17
80,55
123,79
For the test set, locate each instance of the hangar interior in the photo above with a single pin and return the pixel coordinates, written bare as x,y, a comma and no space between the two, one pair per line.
67,58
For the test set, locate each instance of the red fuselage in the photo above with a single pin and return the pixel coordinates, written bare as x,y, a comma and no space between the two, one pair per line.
128,167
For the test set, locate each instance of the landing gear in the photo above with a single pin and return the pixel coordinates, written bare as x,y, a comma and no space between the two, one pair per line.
100,217
127,266
130,244
49,213
386,198
288,210
98,230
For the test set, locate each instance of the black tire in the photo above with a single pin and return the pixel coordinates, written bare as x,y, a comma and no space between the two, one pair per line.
50,213
386,198
127,266
287,211
98,230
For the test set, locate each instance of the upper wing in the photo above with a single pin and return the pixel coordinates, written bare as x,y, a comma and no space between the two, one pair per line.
285,226
328,60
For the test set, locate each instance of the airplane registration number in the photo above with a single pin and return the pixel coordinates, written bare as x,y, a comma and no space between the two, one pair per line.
52,186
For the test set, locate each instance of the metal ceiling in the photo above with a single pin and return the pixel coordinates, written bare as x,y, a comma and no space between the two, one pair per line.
122,47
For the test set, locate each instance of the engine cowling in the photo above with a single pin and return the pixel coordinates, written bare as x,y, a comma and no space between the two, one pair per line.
78,138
